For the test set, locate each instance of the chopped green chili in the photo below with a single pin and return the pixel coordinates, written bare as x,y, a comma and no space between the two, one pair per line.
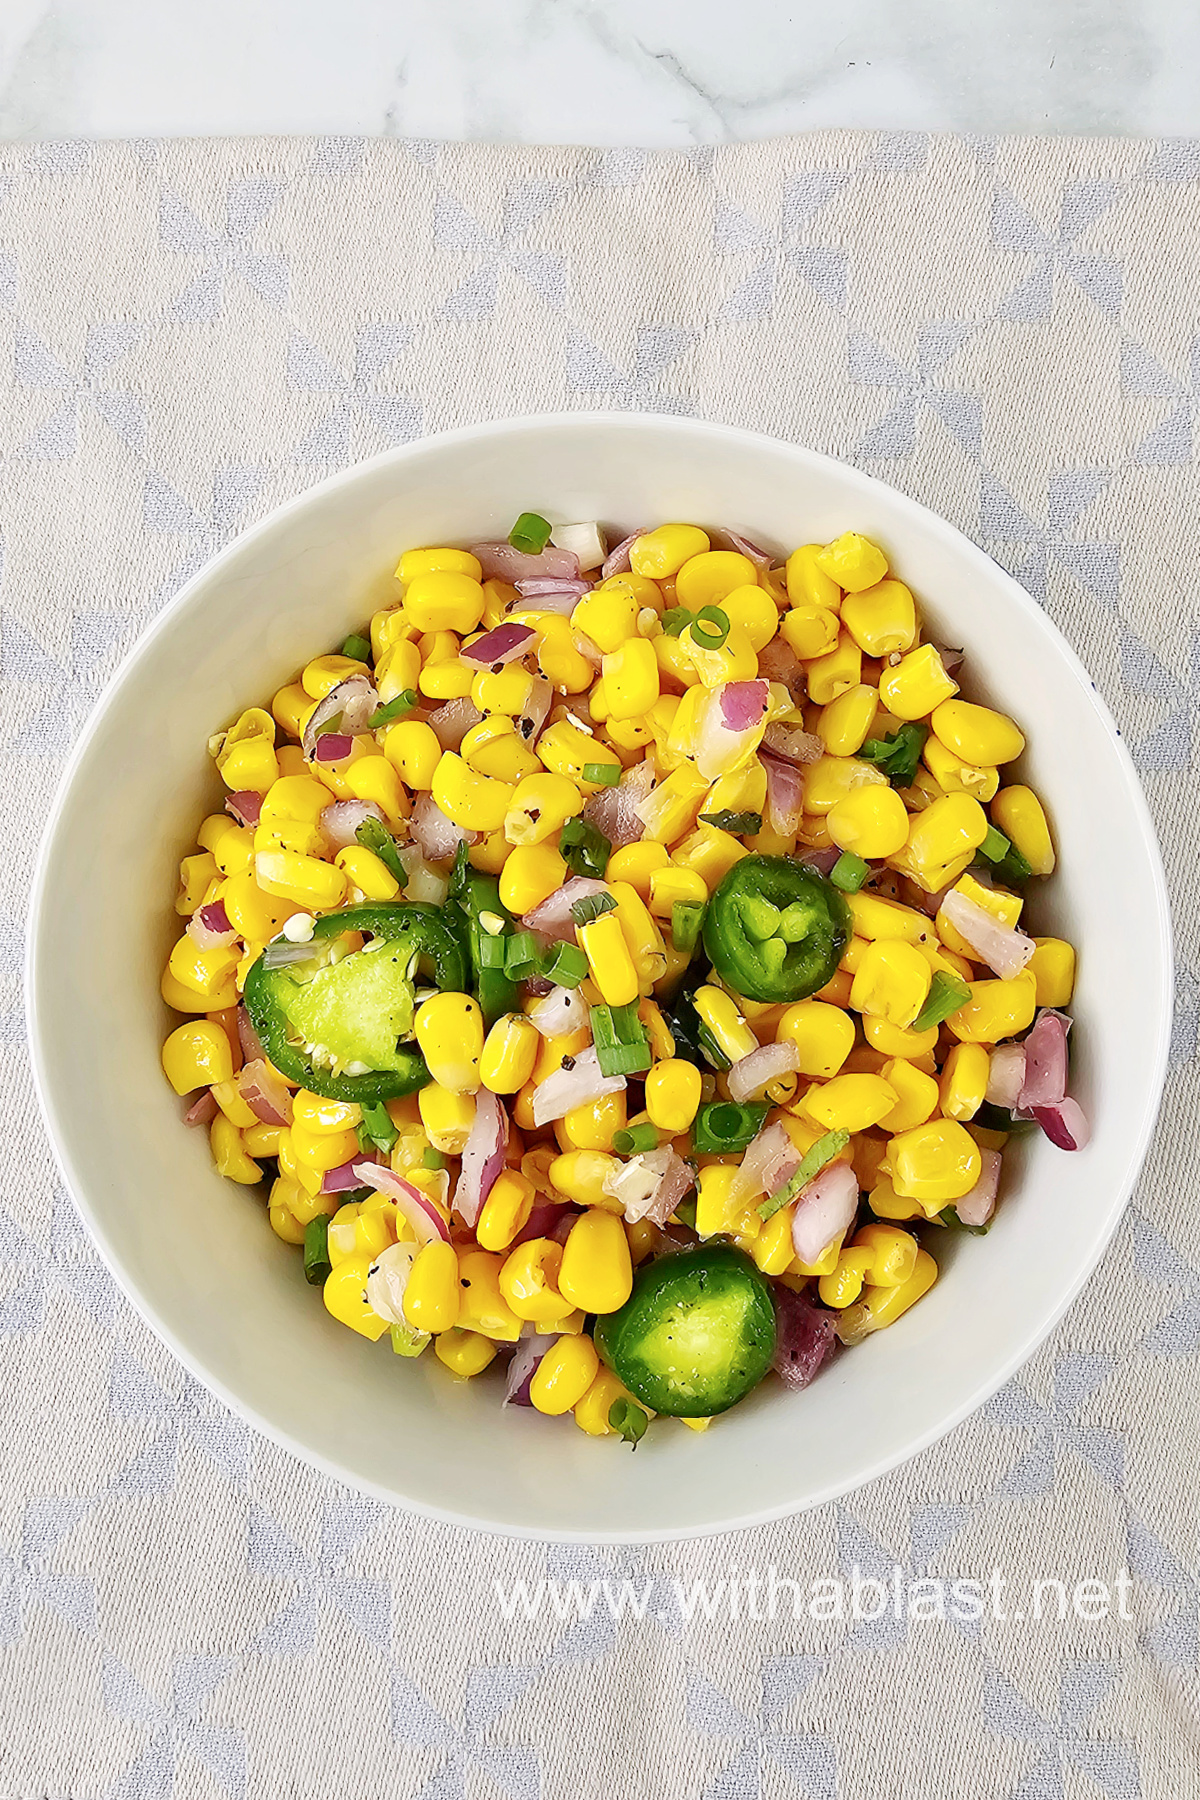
317,1267
849,872
531,534
408,1342
433,1159
628,1420
592,906
811,1164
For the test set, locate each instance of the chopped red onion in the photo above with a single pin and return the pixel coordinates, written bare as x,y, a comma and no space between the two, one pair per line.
1006,1076
977,1205
387,1279
650,1185
617,560
333,747
793,743
1045,1081
342,1179
340,822
245,806
522,1367
718,747
436,836
743,704
785,795
578,1085
540,588
732,540
202,1111
1065,1125
265,1093
952,659
1004,950
552,916
822,860
563,1010
565,1224
503,644
541,1221
614,810
344,711
451,722
804,1337
500,562
750,1074
483,1156
777,661
209,927
248,1038
585,542
591,653
426,1221
768,1161
825,1211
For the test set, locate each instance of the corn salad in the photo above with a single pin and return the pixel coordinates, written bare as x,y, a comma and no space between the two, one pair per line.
616,963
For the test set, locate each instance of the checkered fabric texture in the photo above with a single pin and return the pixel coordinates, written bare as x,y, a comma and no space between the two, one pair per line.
192,333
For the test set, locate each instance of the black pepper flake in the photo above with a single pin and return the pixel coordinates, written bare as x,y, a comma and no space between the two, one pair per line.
568,1063
526,727
496,668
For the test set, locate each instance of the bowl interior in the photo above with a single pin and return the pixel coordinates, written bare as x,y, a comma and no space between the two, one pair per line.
196,1254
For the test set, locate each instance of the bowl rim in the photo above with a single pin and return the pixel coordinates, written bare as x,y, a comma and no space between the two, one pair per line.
933,524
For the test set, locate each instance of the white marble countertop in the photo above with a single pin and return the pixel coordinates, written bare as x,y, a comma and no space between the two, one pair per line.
653,72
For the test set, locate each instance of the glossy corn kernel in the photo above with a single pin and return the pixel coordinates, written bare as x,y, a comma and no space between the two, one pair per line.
832,778
1018,813
719,1011
662,553
449,1030
850,1102
529,1283
631,679
322,1150
882,1306
853,561
1053,967
950,829
710,853
261,1140
506,1210
398,669
807,582
444,600
564,1375
643,939
844,725
345,1295
596,1273
811,631
917,1096
593,1126
671,884
891,982
977,734
324,673
881,619
464,1353
580,1175
964,1080
230,1154
751,611
432,1294
608,616
447,1117
673,1091
886,1203
934,1163
823,1036
255,916
638,864
196,1055
591,1413
880,1255
609,960
414,752
871,822
317,1114
555,1049
996,902
452,679
509,1053
996,1010
916,684
566,750
437,560
246,757
539,807
495,747
473,802
482,1306
196,876
531,873
836,672
284,1197
954,776
364,871
706,579
318,886
205,972
289,707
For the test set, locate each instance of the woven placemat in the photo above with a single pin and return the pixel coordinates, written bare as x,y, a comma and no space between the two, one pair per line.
189,334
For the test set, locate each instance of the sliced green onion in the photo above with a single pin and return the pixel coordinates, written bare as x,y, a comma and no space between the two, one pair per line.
946,994
744,824
408,1342
565,965
897,755
687,921
377,1127
685,1212
1005,861
493,951
811,1164
849,872
317,1267
602,774
949,1217
520,955
592,906
584,848
725,1126
676,620
531,533
373,835
635,1138
710,628
357,648
628,1420
995,846
622,1046
433,1159
395,709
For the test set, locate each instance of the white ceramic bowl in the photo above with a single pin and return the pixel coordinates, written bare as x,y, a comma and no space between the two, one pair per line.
196,1255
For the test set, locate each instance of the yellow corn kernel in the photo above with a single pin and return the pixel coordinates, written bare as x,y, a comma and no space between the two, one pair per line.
508,690
444,600
559,657
317,1114
977,734
938,957
707,579
506,1210
807,582
662,553
891,982
495,747
452,679
752,613
716,1211
564,1375
186,1000
710,853
474,802
853,561
449,1031
718,1010
593,1126
255,916
398,669
432,1293
438,560
845,724
322,1150
676,803
591,1413
875,917
464,1353
916,684
630,679
836,672
612,967
281,1204
1001,905
954,776
832,778
345,1295
890,1040
638,864
364,871
566,750
596,1273
670,884
319,886
539,807
294,798
886,1203
823,1036
324,673
553,1050
529,1283
643,939
197,1055
531,873
1018,813
196,875
850,1102
580,1175
229,1153
871,822
263,1140
205,972
246,754
882,1306
608,616
662,1041
673,1094
289,706
964,1081
950,829
509,1053
996,1010
882,619
934,1163
412,748
390,625
917,1096
880,1254
1053,968
446,1116
482,1306
811,631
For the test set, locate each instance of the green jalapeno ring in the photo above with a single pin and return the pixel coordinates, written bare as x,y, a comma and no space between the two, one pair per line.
810,926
